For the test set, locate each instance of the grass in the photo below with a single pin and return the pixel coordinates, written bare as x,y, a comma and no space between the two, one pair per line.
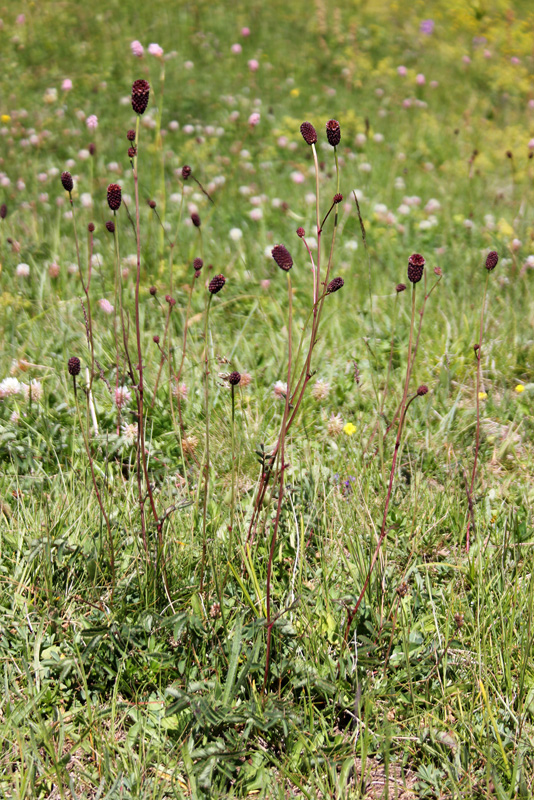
147,675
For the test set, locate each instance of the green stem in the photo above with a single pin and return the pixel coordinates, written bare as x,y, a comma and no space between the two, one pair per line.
207,445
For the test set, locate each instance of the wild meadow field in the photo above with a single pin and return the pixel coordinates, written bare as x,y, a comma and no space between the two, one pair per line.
266,386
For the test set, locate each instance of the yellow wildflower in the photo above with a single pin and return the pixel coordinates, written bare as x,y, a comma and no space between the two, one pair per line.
349,429
482,395
5,118
294,92
519,388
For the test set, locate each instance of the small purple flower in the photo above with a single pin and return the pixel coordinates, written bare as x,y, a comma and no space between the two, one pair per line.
137,49
427,27
155,50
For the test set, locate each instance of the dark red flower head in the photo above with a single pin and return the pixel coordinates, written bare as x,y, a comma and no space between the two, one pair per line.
282,256
335,285
333,132
234,378
491,260
421,390
301,233
186,172
216,284
195,219
309,134
67,182
416,266
110,226
140,95
114,196
74,366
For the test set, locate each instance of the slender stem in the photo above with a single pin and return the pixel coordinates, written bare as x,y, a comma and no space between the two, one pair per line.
184,348
207,445
414,354
305,374
388,374
232,508
141,453
383,531
97,491
163,356
281,472
478,353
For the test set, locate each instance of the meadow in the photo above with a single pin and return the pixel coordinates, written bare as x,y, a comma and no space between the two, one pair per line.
266,383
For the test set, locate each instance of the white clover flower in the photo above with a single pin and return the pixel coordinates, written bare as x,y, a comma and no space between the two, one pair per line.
122,396
280,389
433,206
33,391
22,270
235,234
129,431
321,390
335,425
9,387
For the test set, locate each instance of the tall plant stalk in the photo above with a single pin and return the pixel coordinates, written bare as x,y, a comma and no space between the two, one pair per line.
206,466
415,273
491,262
281,474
